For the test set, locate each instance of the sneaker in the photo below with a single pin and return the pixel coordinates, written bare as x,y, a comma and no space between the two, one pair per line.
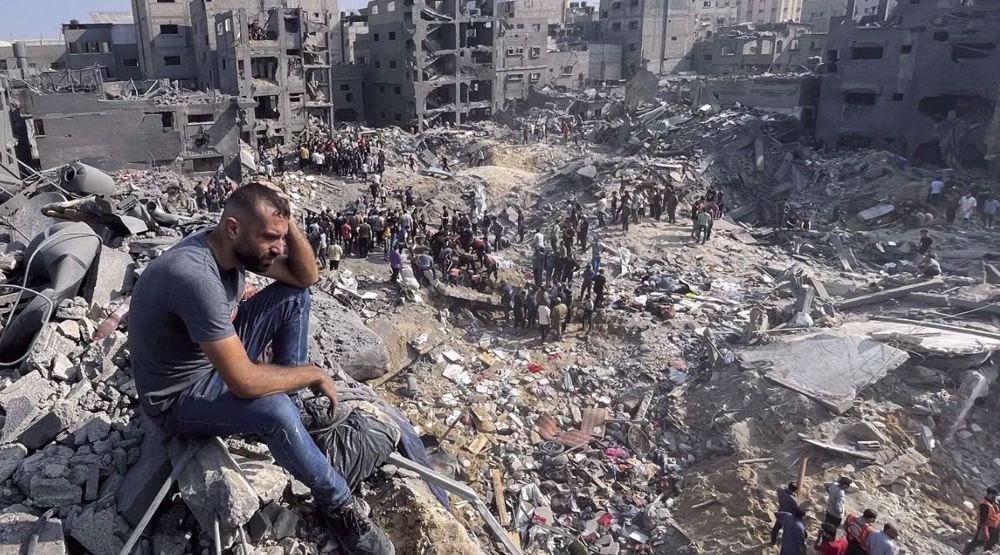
356,534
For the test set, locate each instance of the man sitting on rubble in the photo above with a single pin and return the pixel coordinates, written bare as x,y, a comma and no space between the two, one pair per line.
197,351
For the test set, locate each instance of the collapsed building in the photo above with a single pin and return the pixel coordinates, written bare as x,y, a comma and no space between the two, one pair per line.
192,131
923,83
752,49
428,62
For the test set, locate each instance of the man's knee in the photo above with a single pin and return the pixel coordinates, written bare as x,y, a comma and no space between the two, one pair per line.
283,291
278,412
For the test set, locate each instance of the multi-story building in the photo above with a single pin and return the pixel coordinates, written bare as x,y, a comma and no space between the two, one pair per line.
819,13
111,46
521,48
9,172
655,35
768,11
352,24
199,132
280,59
924,86
177,38
428,62
748,49
163,33
715,14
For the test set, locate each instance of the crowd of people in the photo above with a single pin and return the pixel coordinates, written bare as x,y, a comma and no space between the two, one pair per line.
966,208
861,535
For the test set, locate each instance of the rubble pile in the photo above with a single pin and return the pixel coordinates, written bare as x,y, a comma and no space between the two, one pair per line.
714,374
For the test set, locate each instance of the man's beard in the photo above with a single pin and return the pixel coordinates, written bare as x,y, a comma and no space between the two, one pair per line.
252,262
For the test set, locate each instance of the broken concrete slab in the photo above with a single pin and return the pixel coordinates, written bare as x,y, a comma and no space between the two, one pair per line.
992,274
54,492
212,486
827,369
267,478
10,458
21,412
947,301
144,478
837,448
342,338
16,529
941,346
417,523
974,385
32,386
110,277
888,294
97,531
44,429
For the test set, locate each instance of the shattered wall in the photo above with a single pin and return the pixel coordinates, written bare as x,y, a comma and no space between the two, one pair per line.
348,93
870,96
116,134
8,143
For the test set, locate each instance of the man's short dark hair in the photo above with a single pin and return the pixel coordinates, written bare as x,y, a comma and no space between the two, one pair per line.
793,487
249,197
870,515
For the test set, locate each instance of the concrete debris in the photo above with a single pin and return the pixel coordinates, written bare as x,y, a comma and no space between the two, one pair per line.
839,367
700,361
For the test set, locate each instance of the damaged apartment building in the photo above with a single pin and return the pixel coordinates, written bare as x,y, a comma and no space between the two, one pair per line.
427,62
653,35
872,97
126,124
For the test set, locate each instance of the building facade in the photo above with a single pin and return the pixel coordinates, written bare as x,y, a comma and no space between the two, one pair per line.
749,49
111,46
279,60
165,41
655,35
428,62
872,96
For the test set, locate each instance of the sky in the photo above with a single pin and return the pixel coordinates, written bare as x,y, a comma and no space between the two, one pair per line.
32,19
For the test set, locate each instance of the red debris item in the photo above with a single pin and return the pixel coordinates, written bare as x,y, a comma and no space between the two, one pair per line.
111,323
616,453
575,438
547,427
554,357
606,520
535,368
539,519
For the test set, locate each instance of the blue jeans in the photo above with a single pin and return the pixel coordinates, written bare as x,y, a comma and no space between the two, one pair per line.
278,316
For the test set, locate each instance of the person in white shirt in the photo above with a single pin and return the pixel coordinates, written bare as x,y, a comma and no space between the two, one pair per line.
967,207
543,320
935,191
319,161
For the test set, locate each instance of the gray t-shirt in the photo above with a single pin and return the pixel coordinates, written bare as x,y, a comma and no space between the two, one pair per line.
182,298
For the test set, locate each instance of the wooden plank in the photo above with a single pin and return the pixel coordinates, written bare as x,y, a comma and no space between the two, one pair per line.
888,294
499,496
802,473
840,449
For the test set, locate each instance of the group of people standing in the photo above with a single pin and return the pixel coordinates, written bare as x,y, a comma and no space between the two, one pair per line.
966,208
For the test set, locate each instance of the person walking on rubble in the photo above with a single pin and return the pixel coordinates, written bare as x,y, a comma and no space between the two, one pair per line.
543,320
967,207
600,282
988,528
558,316
787,503
935,192
395,263
836,500
792,530
333,254
671,201
858,530
194,348
884,542
990,209
704,230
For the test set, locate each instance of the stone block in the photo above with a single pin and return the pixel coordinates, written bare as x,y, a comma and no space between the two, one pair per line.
63,369
54,492
10,458
32,386
16,529
267,479
144,479
284,522
46,428
21,412
110,276
97,531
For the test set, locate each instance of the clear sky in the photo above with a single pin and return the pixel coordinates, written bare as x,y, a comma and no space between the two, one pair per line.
32,19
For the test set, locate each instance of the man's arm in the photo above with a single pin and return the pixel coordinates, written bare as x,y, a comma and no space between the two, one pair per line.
297,267
248,380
